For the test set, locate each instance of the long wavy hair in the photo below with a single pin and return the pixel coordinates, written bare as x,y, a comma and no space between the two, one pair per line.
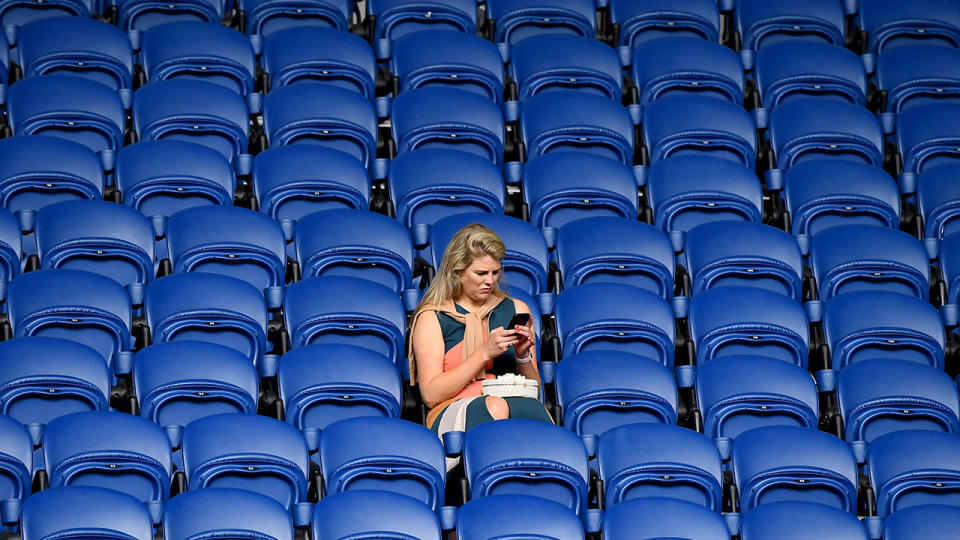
470,243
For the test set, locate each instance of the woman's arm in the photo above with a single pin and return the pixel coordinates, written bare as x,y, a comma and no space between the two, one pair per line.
526,344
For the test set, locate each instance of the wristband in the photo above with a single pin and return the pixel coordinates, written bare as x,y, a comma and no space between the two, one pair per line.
526,359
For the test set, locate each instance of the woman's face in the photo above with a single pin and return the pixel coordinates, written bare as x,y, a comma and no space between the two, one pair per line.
478,279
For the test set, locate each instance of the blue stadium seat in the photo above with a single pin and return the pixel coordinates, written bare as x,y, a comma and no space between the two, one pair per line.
812,129
266,17
212,53
388,20
72,304
16,459
950,267
602,390
142,15
938,199
354,453
448,58
615,250
208,307
36,171
384,514
728,321
67,107
881,324
16,13
76,46
918,74
826,193
228,240
788,520
321,114
554,455
914,468
548,62
518,516
97,236
640,461
159,178
789,463
743,254
685,66
929,522
640,21
308,53
869,258
195,111
895,24
514,20
699,125
880,396
75,512
179,381
215,512
761,23
614,316
927,136
247,451
44,378
565,120
796,69
322,384
10,250
111,450
423,190
740,393
561,187
690,190
437,117
657,517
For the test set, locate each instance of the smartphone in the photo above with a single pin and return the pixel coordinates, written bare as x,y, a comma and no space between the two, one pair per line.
520,319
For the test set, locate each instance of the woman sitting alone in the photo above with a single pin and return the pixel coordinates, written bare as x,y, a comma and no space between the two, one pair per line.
459,340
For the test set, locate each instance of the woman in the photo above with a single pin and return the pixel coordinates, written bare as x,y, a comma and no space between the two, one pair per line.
459,339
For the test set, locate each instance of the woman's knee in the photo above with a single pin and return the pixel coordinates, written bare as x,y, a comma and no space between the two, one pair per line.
497,407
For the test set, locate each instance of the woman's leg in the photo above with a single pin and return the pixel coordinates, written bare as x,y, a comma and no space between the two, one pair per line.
524,407
486,409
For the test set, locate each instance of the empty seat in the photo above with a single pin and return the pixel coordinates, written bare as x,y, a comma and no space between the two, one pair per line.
322,384
788,520
179,381
72,108
728,321
214,512
324,115
880,396
15,13
517,516
812,129
210,53
894,24
447,58
73,304
561,187
637,22
738,393
640,461
615,250
548,62
388,20
685,66
111,450
195,111
228,240
16,459
918,74
312,54
423,190
266,17
938,199
84,511
208,307
542,460
36,171
881,324
788,463
657,517
159,178
76,46
44,378
384,514
742,254
565,120
613,316
950,267
10,250
515,20
927,136
601,390
96,236
144,14
869,258
928,521
795,69
761,23
826,193
438,117
246,451
690,190
914,468
699,125
354,453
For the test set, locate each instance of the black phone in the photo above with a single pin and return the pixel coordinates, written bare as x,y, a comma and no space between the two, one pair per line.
519,319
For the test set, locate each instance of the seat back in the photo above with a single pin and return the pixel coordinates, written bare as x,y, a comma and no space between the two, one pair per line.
447,58
212,53
794,69
522,516
83,511
797,520
639,22
36,171
517,20
890,26
699,125
761,23
814,129
685,65
384,514
657,517
215,512
549,62
914,468
315,54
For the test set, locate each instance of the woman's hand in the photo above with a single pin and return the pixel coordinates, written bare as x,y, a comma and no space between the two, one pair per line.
498,341
524,340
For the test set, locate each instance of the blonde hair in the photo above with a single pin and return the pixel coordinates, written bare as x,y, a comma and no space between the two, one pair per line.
470,243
